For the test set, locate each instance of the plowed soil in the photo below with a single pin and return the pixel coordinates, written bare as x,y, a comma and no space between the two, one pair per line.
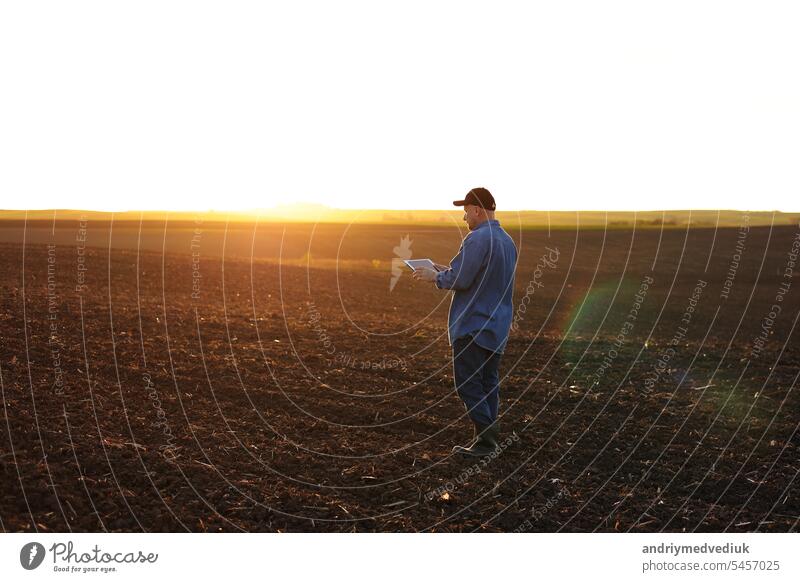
198,377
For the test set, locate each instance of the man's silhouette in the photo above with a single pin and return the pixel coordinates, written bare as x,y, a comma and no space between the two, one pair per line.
481,277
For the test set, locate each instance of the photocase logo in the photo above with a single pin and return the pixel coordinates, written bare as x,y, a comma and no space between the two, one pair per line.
31,555
401,252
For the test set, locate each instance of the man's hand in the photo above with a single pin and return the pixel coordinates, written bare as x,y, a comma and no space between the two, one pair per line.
442,267
424,274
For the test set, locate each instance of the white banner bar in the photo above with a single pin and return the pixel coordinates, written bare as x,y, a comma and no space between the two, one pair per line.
353,557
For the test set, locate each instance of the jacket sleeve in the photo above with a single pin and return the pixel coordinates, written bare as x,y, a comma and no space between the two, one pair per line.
465,266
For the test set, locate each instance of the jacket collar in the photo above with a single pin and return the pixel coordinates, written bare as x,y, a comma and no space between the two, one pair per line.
491,222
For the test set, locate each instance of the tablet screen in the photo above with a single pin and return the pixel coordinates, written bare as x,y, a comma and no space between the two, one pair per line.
415,264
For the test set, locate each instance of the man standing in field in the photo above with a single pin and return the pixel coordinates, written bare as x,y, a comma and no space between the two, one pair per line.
481,277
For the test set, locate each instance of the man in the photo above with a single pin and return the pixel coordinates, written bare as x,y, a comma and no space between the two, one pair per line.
481,277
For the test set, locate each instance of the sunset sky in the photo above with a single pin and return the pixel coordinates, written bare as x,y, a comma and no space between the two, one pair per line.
551,105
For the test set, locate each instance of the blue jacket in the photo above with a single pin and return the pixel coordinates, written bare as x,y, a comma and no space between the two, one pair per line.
481,276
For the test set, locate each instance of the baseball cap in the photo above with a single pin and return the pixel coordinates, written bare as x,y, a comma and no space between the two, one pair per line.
477,197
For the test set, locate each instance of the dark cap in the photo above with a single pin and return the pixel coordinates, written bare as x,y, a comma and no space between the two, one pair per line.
477,197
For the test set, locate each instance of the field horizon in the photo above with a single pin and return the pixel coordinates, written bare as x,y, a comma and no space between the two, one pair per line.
314,213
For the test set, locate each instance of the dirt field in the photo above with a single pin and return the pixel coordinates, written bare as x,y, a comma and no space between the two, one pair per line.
184,376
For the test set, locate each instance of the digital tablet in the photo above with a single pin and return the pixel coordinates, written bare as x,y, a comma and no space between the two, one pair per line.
415,264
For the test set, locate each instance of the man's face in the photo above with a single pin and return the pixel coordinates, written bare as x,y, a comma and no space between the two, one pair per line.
471,216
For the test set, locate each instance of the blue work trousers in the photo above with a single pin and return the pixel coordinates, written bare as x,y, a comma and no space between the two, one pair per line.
477,379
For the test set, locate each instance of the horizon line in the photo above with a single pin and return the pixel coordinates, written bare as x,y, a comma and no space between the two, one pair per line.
298,209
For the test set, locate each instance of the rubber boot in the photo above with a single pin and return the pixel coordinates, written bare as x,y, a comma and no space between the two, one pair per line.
485,443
